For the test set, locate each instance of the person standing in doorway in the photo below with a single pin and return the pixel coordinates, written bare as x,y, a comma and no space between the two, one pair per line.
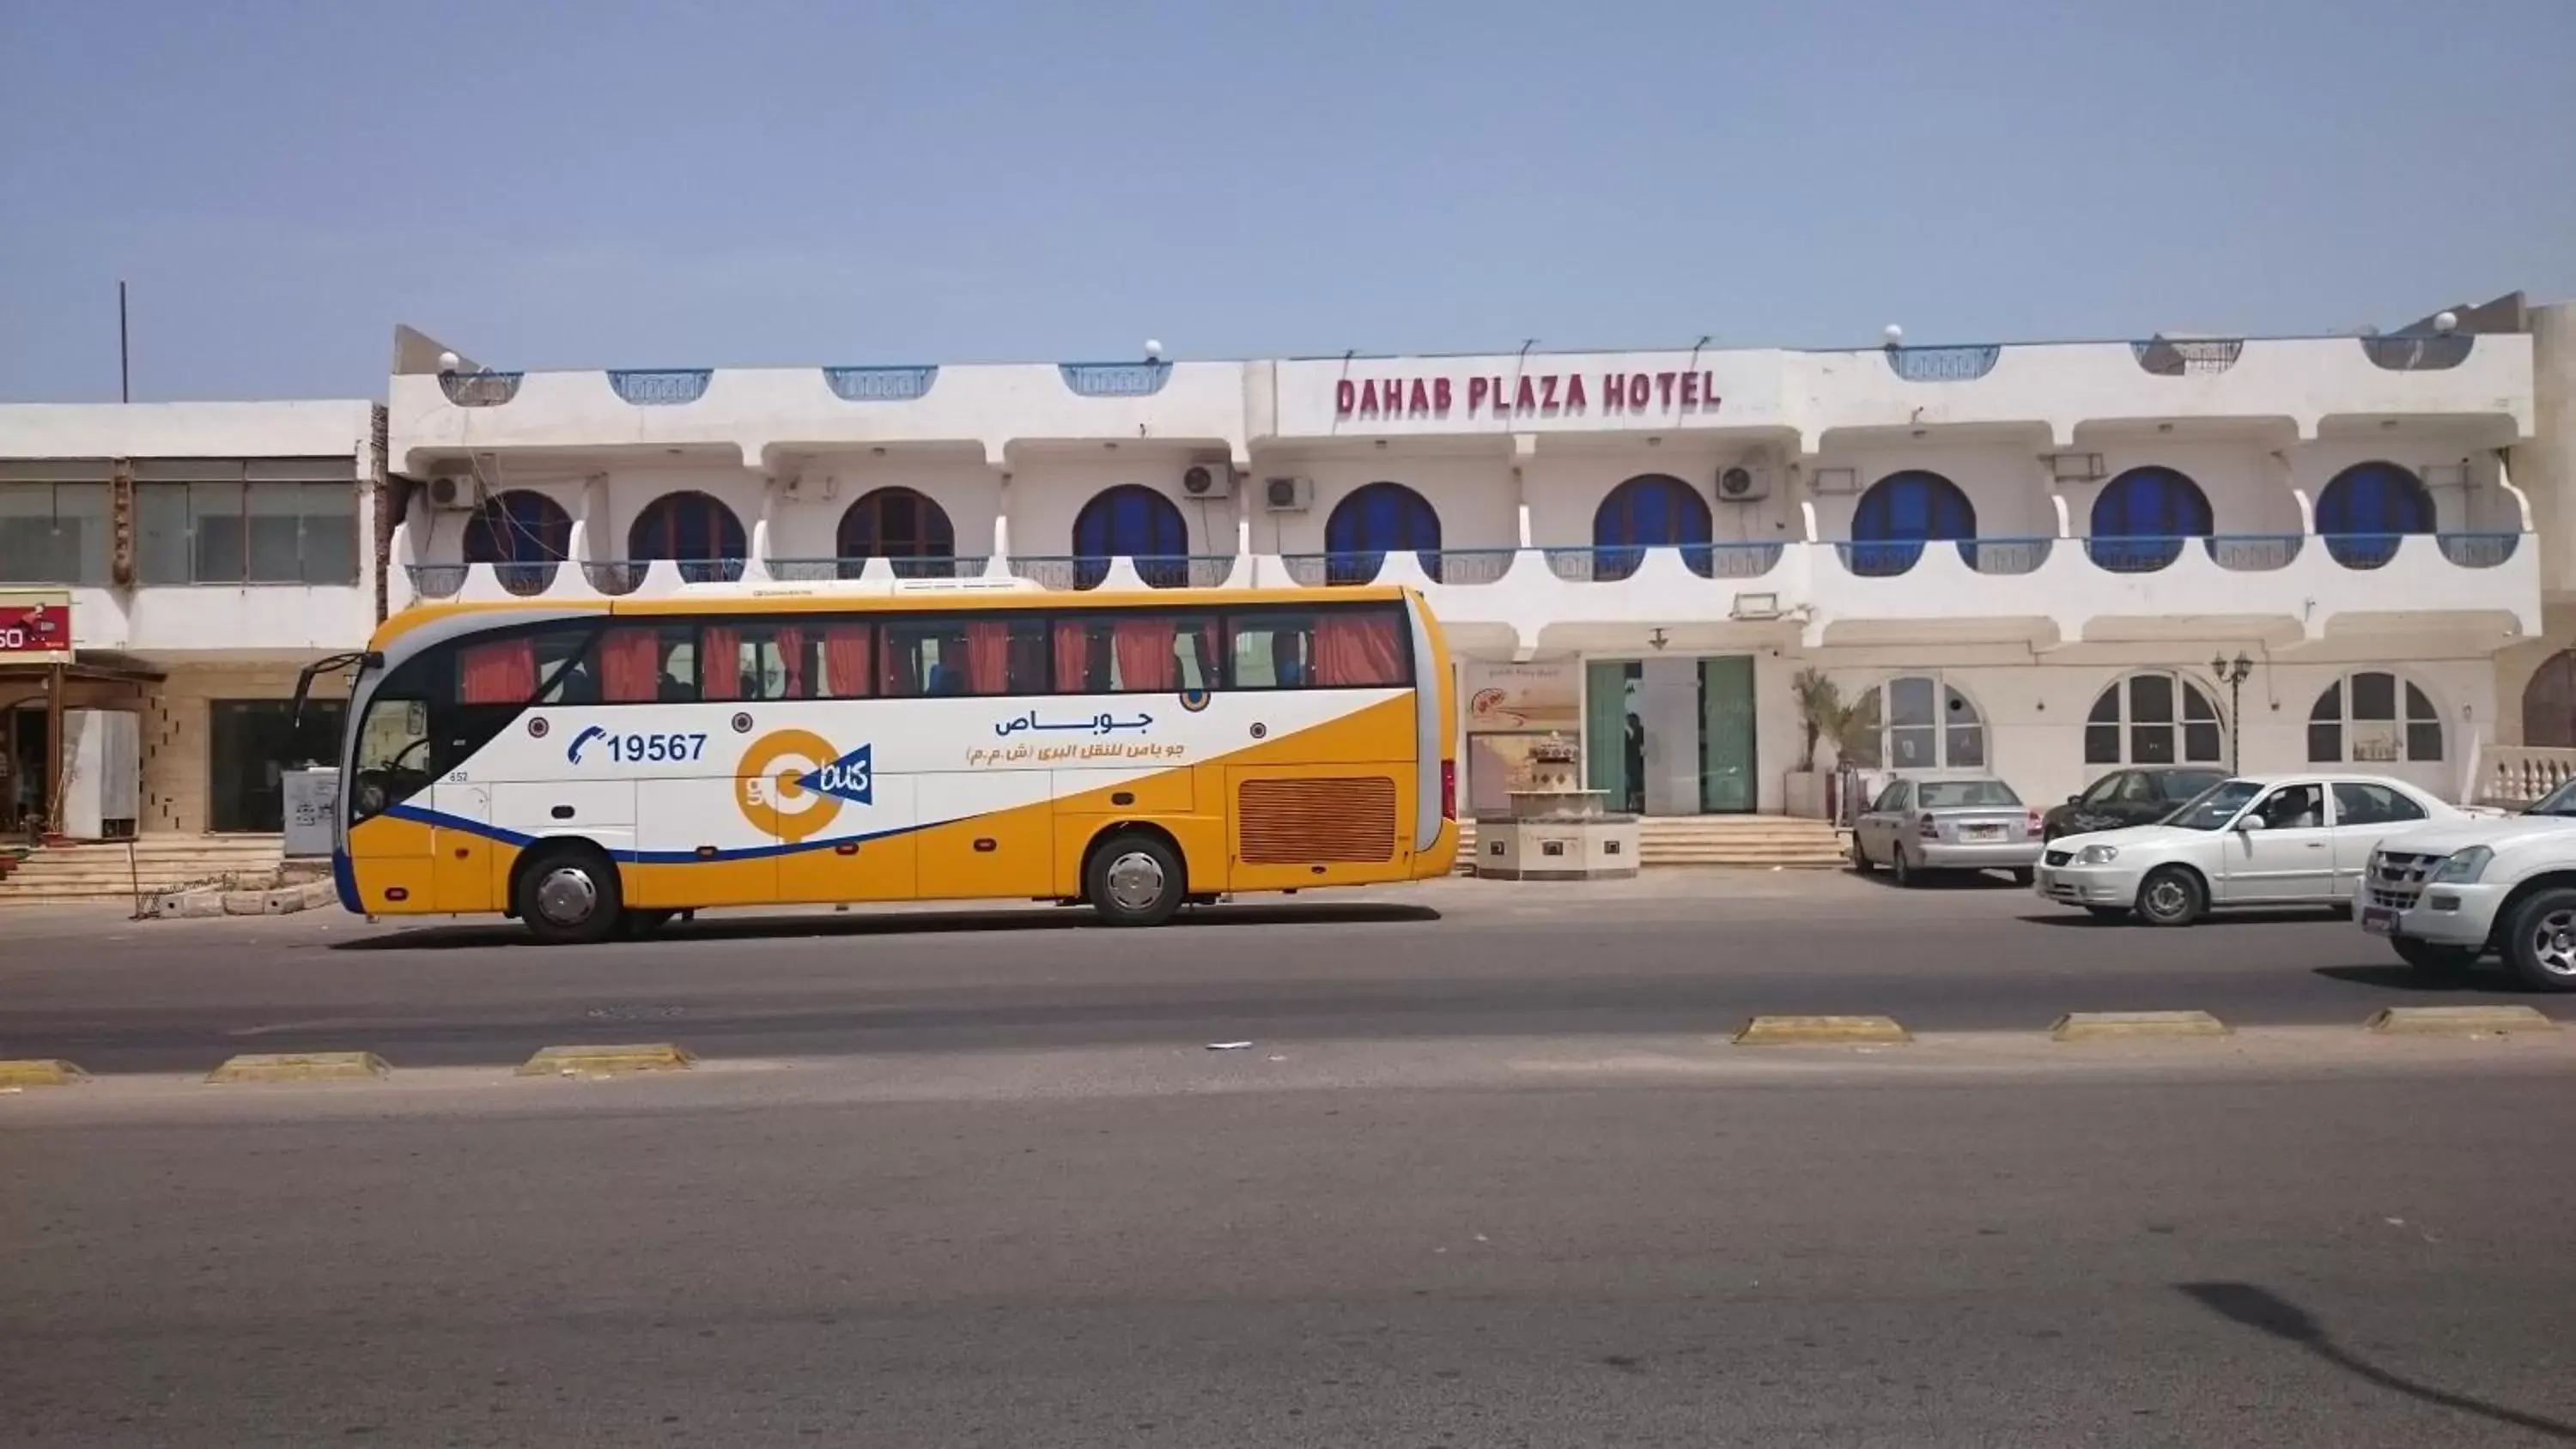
1635,780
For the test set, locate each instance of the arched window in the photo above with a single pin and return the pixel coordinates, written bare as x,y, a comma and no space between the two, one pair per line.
2153,719
1652,510
900,525
2368,509
523,534
1133,522
2141,518
2549,704
1922,722
1901,512
1372,520
697,531
2359,720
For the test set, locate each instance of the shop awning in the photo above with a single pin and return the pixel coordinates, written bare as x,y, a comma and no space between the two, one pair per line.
89,666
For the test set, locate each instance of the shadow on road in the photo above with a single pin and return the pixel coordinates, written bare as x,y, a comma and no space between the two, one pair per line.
2086,921
2267,1312
1945,880
2400,977
904,923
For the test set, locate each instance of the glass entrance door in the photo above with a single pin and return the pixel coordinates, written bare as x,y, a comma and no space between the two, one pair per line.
1614,734
1727,782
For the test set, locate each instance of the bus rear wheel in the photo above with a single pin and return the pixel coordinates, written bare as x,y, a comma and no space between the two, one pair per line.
570,896
1135,880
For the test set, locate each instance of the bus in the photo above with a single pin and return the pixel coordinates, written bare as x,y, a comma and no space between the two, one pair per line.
599,768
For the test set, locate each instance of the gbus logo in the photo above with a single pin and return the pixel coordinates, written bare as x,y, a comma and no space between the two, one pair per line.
792,783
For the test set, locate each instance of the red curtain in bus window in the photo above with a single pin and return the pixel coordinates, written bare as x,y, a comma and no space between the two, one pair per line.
791,654
629,667
501,672
1359,649
1072,656
845,660
988,657
720,668
1143,648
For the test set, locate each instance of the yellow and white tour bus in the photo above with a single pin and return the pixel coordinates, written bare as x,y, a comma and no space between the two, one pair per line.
603,766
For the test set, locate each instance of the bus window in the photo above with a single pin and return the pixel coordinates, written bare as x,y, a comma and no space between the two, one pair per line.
648,663
756,661
841,668
965,657
1319,649
1134,654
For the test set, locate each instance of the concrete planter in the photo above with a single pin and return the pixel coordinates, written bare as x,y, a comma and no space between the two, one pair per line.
1809,794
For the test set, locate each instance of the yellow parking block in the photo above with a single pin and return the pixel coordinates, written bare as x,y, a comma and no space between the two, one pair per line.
606,1061
1821,1031
41,1072
2460,1018
302,1067
2087,1025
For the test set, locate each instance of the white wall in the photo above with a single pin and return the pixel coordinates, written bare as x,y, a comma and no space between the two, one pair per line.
301,429
1478,503
2248,489
2002,481
1048,493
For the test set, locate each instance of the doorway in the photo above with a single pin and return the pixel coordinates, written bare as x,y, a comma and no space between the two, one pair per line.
252,743
1671,736
24,790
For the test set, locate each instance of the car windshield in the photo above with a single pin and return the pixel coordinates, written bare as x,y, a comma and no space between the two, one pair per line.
2561,801
2212,808
1963,794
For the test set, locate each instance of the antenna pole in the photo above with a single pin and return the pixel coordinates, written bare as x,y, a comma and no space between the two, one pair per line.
124,355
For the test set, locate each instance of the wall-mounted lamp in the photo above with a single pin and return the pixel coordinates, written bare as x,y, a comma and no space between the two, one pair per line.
2233,673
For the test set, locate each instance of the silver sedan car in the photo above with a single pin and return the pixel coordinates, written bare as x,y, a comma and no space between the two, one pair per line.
1916,826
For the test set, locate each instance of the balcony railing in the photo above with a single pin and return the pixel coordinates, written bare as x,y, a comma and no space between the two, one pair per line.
1886,558
1606,564
661,387
824,570
2438,353
1174,571
479,389
2479,550
2146,554
2187,357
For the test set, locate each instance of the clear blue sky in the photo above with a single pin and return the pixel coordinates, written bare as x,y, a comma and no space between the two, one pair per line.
568,183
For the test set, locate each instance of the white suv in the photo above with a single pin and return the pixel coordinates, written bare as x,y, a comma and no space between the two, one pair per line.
2447,895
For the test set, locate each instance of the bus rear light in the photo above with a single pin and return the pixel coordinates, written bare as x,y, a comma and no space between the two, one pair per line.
1448,789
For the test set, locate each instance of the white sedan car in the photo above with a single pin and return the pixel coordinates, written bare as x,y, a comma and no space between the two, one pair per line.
2278,840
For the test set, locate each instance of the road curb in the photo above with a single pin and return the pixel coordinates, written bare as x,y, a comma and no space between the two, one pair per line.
607,1061
41,1072
301,1067
2407,1019
1821,1031
2096,1025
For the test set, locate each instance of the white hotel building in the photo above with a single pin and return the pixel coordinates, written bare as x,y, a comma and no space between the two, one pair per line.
2029,555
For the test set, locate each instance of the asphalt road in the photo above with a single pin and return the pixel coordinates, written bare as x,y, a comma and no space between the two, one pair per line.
1674,951
1181,1254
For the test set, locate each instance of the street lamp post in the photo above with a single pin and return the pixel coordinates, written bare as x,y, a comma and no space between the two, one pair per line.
2233,672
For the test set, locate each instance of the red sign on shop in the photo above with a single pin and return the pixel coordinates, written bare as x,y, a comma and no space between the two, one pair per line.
1529,395
35,628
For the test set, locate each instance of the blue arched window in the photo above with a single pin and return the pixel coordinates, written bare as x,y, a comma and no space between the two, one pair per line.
900,525
1652,510
2141,518
1901,512
1369,522
694,529
1135,522
2367,509
523,534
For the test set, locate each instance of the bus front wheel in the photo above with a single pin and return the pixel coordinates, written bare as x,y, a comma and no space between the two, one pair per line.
1136,880
570,896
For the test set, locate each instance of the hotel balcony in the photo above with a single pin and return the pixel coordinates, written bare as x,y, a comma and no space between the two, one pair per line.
2276,589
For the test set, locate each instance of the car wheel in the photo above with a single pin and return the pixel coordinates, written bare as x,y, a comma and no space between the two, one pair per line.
2171,896
2432,959
1136,880
571,896
1860,860
2540,943
1906,874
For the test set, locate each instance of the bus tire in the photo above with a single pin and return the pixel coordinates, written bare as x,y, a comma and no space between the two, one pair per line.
569,895
1135,879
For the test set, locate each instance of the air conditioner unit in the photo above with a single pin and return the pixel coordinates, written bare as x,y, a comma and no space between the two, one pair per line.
454,492
2075,467
1208,480
1740,484
1287,495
